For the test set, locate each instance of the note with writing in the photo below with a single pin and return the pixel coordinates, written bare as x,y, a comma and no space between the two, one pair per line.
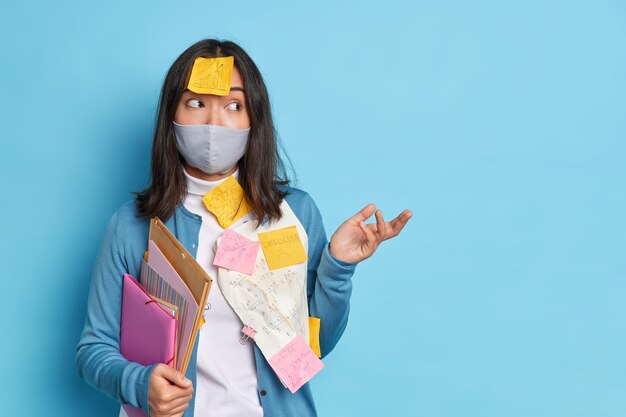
236,252
211,75
227,202
295,364
282,247
273,303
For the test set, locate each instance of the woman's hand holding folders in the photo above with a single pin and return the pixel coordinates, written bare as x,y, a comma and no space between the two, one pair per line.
169,392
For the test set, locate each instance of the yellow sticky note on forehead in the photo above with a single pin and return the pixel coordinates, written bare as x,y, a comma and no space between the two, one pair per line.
211,75
282,247
227,202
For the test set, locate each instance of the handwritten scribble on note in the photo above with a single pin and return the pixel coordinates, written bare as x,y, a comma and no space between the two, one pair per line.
295,364
236,252
211,75
227,202
282,247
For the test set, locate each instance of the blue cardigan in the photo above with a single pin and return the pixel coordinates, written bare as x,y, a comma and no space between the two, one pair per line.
98,359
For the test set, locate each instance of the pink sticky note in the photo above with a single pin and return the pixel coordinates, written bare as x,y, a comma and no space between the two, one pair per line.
295,364
236,252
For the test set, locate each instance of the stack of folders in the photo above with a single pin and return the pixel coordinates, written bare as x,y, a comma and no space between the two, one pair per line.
162,312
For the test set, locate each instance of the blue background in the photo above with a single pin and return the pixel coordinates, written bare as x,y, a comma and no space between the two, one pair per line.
501,125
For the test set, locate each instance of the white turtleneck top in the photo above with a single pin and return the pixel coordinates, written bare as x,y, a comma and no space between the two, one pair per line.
227,378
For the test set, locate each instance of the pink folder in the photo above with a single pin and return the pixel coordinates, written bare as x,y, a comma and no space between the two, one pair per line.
148,333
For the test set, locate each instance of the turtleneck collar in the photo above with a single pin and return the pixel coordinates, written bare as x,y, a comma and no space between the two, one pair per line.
197,186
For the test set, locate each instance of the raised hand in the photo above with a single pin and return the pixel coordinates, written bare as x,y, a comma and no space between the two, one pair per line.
355,241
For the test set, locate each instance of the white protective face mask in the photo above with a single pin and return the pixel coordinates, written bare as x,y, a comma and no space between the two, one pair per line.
213,149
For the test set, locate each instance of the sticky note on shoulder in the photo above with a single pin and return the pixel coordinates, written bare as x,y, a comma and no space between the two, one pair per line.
282,247
227,202
211,75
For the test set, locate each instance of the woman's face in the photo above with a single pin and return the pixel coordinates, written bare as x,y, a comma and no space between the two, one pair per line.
228,111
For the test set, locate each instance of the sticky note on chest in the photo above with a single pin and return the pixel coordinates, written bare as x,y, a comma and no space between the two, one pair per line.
236,252
227,202
295,364
282,247
211,75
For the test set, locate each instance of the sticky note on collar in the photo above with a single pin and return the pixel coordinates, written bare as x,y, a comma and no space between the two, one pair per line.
282,247
314,335
227,202
211,75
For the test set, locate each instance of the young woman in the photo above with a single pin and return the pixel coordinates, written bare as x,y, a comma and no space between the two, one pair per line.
224,377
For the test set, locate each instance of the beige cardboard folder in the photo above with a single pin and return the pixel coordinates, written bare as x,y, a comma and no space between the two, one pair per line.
194,276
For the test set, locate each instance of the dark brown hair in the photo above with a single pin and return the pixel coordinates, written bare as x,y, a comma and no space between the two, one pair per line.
261,169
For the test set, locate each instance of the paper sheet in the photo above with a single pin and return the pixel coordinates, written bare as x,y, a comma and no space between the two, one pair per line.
227,202
211,75
273,303
236,252
282,247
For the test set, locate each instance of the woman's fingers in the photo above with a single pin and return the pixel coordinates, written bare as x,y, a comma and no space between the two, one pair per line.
169,397
174,406
171,375
399,222
381,226
179,410
173,394
381,230
369,235
364,213
179,402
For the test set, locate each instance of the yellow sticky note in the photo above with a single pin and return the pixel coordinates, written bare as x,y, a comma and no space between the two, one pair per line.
314,335
211,75
282,247
227,202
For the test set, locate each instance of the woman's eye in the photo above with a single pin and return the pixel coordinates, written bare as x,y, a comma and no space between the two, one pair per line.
234,106
194,102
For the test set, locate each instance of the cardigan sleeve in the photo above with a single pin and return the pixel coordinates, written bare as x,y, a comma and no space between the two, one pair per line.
98,358
329,281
